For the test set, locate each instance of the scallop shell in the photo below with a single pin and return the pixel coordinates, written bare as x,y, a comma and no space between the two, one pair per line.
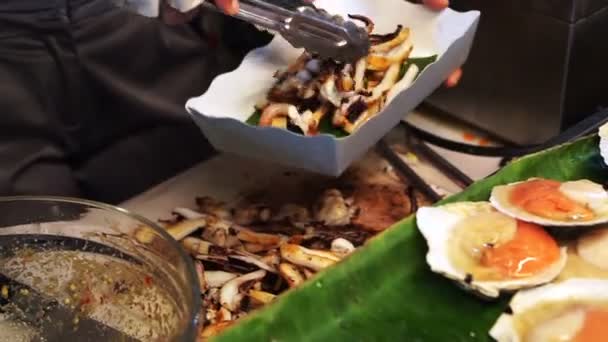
587,256
588,290
436,225
597,200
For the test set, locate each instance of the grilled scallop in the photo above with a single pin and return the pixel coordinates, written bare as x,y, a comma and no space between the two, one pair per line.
575,311
486,251
552,203
588,256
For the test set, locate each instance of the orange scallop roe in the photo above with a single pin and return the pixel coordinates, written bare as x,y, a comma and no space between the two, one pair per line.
530,251
595,327
542,197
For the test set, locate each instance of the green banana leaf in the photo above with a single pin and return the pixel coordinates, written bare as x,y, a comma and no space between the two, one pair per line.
386,292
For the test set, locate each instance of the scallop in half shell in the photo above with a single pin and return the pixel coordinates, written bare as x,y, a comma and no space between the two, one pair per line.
587,256
552,203
486,251
574,310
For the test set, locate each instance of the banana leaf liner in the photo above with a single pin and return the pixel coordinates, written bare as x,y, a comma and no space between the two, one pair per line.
386,292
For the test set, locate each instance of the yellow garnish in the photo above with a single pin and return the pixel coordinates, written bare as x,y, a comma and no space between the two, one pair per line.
411,157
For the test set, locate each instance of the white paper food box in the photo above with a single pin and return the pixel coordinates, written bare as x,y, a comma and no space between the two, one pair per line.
222,111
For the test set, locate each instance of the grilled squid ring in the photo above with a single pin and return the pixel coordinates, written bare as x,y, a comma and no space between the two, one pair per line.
275,110
405,82
347,83
403,35
389,80
381,62
377,39
359,77
330,92
369,24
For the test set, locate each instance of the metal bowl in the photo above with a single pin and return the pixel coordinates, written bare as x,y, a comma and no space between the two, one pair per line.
73,269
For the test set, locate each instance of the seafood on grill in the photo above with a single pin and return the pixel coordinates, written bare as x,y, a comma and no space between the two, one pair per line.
347,95
276,236
248,255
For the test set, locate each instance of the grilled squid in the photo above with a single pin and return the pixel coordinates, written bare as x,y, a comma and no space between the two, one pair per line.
404,83
342,247
369,24
384,61
184,228
352,93
359,79
276,110
377,39
261,297
387,54
401,37
196,246
317,115
286,111
309,258
253,260
187,213
372,110
291,274
389,80
330,92
230,296
215,279
349,111
347,83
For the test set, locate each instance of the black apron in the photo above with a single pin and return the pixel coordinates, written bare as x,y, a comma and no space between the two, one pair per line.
92,98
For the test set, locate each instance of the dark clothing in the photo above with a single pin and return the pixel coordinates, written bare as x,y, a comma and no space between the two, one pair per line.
92,98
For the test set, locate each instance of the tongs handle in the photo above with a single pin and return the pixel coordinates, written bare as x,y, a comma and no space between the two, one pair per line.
305,26
258,13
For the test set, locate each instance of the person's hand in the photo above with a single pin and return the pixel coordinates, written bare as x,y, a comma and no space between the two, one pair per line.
172,16
229,7
438,5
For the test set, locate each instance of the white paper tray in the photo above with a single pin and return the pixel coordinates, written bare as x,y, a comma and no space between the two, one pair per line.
222,111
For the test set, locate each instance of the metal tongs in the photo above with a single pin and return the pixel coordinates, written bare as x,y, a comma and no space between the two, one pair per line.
305,26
